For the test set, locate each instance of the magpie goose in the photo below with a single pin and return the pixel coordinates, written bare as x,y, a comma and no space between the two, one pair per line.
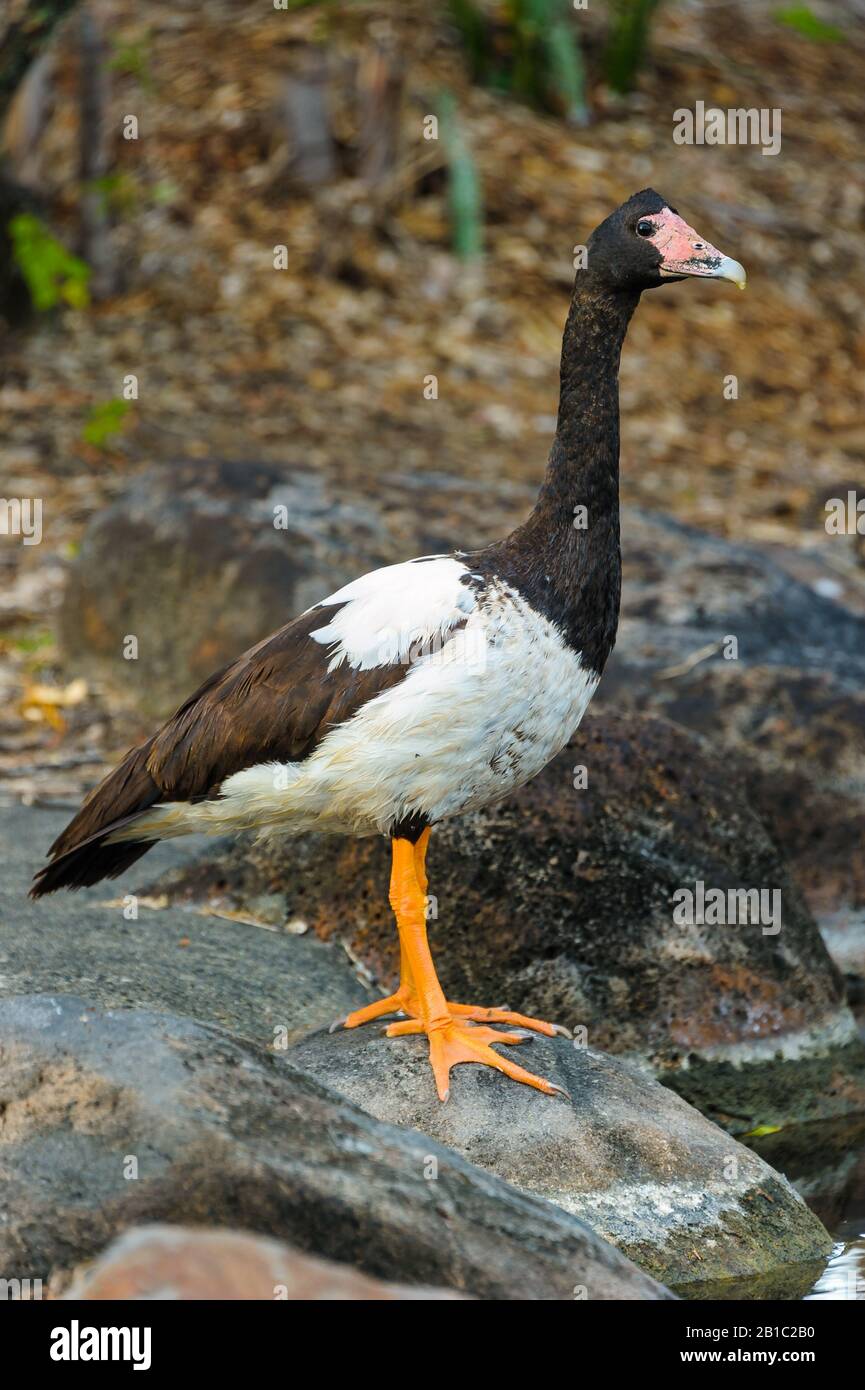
424,689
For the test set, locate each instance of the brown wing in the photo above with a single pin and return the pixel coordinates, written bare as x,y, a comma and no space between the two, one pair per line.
274,703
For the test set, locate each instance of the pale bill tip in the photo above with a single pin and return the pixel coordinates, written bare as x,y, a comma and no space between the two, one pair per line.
731,270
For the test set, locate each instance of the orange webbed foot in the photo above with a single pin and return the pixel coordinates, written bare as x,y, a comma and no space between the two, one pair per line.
455,1042
397,1003
404,1002
481,1015
462,1039
458,1041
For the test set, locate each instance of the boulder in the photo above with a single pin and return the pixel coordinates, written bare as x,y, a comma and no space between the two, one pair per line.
627,1156
89,1084
789,704
562,901
116,1118
264,985
174,1262
198,562
683,589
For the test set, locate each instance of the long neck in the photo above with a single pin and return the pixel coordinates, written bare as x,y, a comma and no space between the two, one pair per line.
568,549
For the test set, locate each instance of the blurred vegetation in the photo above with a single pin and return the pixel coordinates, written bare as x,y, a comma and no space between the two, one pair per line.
52,274
805,22
31,644
464,188
626,45
124,194
528,48
134,60
531,48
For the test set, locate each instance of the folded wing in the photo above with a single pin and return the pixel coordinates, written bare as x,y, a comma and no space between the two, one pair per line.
276,702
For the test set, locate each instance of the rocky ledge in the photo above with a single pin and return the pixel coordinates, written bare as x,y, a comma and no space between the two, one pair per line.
626,1155
175,1069
116,1119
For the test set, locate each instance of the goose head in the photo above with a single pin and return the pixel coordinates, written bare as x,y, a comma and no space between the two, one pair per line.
645,243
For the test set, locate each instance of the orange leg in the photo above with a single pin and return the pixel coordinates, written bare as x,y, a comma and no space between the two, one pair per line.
450,1028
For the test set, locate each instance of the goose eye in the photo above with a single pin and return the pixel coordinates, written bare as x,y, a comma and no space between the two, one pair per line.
645,228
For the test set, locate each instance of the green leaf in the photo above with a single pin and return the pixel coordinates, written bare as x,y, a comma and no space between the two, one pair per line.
104,421
133,60
27,644
761,1130
800,18
52,274
118,192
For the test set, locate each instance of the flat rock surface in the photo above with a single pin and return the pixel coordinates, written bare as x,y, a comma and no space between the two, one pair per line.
110,1119
244,978
628,1156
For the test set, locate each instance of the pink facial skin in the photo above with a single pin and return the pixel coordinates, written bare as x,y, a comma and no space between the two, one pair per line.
683,251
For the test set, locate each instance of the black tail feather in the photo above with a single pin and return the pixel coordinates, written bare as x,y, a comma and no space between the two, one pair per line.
86,865
81,855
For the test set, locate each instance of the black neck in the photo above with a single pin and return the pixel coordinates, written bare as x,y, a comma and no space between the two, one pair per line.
572,572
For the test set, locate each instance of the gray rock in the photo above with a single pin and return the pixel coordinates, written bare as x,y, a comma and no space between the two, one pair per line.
683,588
190,563
240,977
790,707
112,1119
626,1155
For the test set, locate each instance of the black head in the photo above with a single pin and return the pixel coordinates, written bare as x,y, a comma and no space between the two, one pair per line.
645,243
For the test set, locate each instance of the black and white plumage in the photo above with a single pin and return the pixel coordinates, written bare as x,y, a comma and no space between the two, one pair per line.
423,689
454,716
410,695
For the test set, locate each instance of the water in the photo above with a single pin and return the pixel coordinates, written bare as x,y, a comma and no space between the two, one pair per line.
826,1164
844,1275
